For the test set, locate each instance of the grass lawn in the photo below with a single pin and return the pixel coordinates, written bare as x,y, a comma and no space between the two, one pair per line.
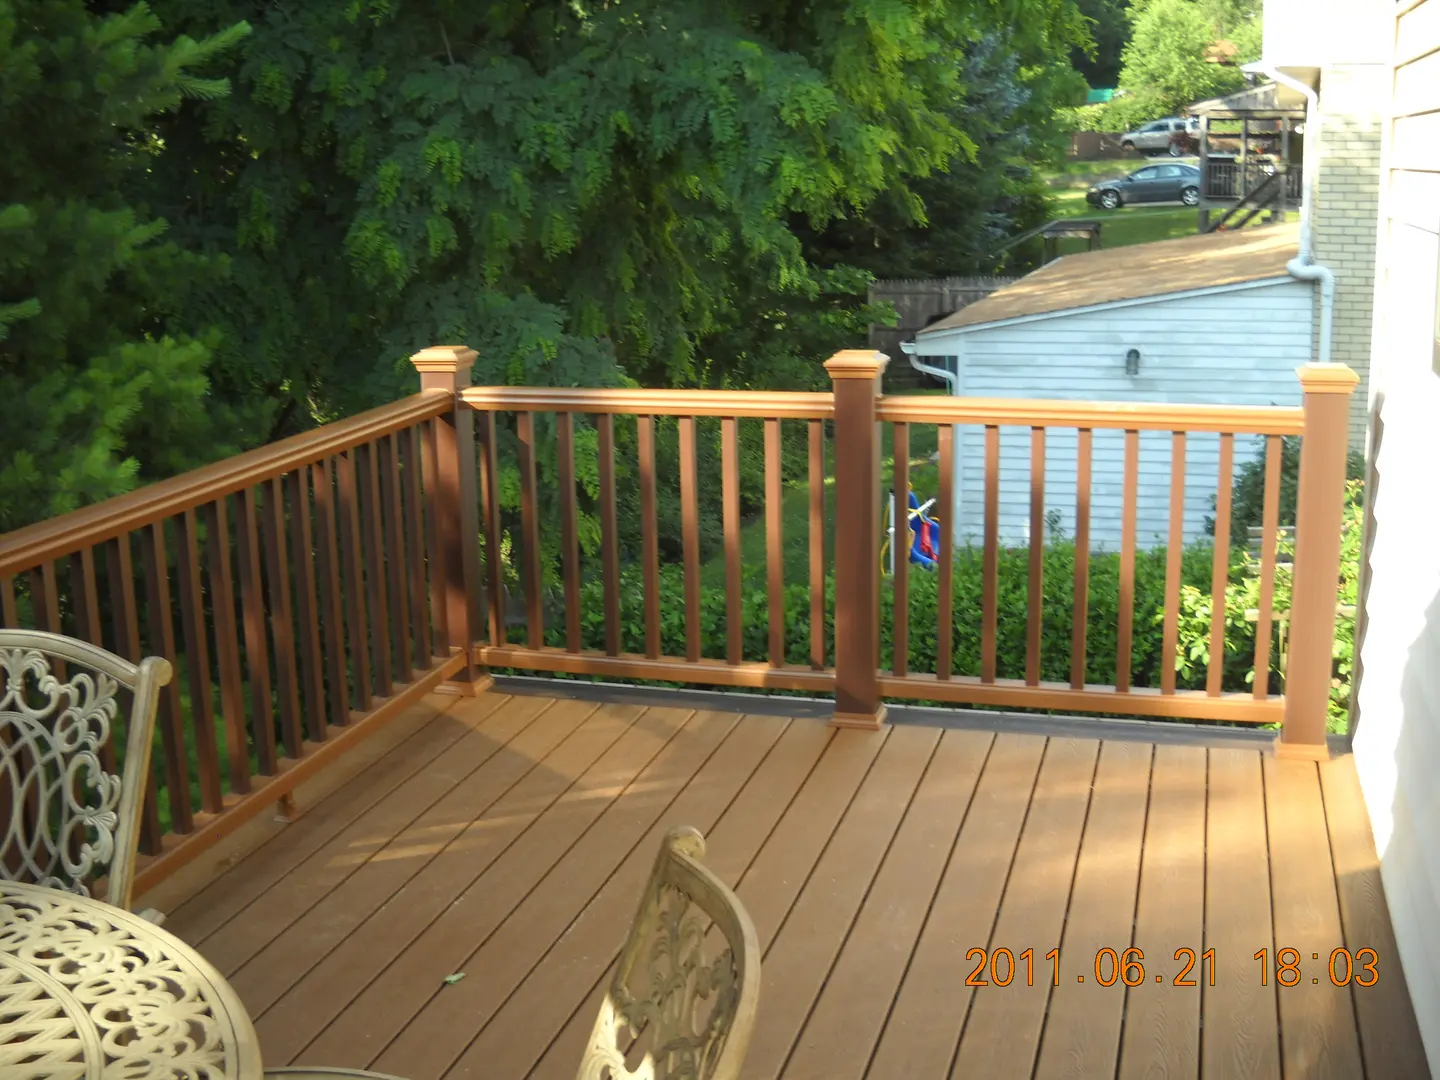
1125,226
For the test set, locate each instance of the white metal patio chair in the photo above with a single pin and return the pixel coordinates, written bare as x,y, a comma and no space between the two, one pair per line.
69,818
671,1013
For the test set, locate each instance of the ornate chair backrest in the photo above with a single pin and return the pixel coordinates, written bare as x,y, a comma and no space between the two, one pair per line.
68,817
671,1013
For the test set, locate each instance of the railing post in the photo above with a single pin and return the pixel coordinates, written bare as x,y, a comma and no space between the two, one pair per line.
1319,518
455,584
855,374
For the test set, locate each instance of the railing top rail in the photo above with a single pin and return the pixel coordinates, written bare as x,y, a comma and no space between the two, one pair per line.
54,538
764,404
1118,415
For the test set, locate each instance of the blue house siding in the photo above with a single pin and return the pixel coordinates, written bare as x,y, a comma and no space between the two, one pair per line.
1238,346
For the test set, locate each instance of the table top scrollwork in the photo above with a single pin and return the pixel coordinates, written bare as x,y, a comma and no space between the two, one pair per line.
91,992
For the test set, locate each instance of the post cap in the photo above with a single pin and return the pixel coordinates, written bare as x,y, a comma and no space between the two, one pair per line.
1327,379
444,358
856,364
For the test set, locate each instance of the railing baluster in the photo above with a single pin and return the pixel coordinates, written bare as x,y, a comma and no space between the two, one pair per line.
569,529
775,542
354,582
1127,562
434,544
1270,517
257,649
8,609
1036,580
197,654
227,647
649,534
410,457
609,533
945,646
87,620
86,596
991,571
730,496
490,522
307,607
397,563
277,572
1174,550
45,596
373,546
1084,450
530,530
900,549
45,587
1220,568
690,533
169,719
127,637
817,544
327,550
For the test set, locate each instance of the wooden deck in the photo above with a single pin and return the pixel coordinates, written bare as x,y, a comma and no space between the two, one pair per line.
507,838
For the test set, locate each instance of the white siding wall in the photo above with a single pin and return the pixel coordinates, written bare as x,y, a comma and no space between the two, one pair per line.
1397,740
1238,347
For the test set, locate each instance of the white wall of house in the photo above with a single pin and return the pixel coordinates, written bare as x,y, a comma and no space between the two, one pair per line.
1238,345
1397,737
1301,34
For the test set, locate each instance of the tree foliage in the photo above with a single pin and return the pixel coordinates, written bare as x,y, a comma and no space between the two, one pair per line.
1168,63
98,395
1109,26
586,193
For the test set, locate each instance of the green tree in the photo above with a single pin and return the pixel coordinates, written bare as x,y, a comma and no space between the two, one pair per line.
98,396
586,193
1109,22
1167,64
987,193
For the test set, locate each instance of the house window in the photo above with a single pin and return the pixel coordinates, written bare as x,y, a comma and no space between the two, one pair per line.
1132,362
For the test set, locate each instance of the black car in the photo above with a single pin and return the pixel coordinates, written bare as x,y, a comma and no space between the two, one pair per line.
1154,183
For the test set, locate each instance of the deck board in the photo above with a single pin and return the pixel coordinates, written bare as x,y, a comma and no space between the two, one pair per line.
924,1026
1316,1015
509,838
803,952
1240,1038
1082,1032
844,1028
1162,1021
1002,1034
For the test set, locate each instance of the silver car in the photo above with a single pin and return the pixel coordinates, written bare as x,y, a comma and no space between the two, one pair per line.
1154,137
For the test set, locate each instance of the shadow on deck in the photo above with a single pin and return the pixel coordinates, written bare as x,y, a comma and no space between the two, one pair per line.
507,838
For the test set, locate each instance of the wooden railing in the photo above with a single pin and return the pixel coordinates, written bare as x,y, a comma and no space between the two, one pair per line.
292,589
324,583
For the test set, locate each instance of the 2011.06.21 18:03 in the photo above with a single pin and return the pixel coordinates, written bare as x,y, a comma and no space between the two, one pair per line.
1004,967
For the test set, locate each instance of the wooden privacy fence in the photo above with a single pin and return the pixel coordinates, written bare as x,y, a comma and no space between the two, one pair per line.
310,590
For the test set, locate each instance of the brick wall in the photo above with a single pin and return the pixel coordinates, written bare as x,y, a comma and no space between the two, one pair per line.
1345,213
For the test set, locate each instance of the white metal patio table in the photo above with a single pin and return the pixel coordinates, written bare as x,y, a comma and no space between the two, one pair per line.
91,992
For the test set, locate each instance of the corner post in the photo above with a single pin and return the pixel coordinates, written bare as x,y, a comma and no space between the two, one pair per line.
1319,519
855,375
454,514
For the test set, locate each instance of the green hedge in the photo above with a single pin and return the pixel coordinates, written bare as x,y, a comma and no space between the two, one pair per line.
1013,608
